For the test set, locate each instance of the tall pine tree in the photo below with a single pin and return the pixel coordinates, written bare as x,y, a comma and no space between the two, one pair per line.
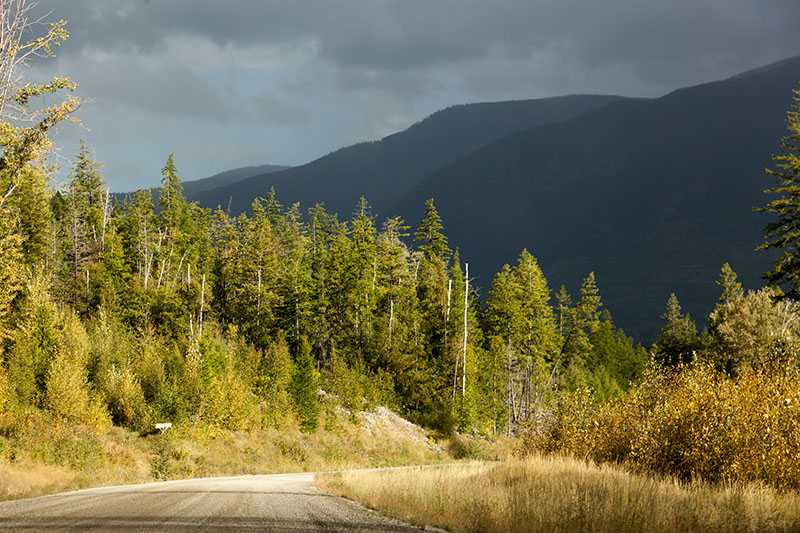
784,233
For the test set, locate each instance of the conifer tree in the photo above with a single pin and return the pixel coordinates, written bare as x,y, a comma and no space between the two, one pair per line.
225,245
140,234
175,227
294,278
614,353
434,242
88,212
678,340
432,281
171,199
518,311
258,275
323,229
562,309
731,289
580,322
305,383
31,208
782,234
364,267
394,274
12,271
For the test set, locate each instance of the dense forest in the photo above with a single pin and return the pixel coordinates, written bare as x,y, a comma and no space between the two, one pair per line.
158,309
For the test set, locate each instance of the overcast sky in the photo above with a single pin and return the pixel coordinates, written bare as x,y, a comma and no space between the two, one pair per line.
231,83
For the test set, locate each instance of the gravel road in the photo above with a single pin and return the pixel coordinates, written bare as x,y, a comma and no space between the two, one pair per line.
285,502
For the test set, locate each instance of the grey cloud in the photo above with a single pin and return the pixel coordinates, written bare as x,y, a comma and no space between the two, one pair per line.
310,75
268,108
164,88
407,35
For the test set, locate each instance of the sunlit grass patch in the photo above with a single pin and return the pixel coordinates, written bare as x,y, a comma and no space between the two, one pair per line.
562,494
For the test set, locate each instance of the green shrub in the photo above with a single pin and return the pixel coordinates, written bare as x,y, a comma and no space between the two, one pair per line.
461,447
124,397
5,390
161,465
149,366
271,384
228,402
751,330
305,385
35,343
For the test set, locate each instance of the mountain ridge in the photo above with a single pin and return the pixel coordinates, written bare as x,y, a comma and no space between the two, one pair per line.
702,150
385,169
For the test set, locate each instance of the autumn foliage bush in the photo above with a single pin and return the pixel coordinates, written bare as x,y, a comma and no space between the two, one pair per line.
689,422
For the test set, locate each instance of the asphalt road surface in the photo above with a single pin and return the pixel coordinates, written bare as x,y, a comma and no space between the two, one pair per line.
283,503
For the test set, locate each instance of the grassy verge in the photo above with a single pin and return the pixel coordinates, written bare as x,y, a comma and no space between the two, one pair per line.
42,455
560,494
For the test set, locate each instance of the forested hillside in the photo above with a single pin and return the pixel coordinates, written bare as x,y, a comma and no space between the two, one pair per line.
140,312
652,195
384,170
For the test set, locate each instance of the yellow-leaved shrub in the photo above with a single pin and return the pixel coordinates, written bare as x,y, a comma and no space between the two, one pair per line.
694,422
67,384
125,399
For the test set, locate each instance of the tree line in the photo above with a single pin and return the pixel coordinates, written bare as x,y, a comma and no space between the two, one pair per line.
351,302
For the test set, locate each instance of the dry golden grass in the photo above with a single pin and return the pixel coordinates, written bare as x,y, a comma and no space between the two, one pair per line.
23,480
559,494
41,455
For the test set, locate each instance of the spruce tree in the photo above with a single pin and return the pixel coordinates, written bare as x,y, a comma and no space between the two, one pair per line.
784,233
579,322
171,199
518,312
731,289
32,211
678,340
362,262
430,233
305,383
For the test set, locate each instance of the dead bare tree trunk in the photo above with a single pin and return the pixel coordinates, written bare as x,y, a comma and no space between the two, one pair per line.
466,294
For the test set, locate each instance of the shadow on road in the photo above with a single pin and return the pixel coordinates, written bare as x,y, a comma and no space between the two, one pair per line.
235,524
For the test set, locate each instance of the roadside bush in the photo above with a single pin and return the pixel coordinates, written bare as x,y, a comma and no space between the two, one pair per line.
35,343
304,389
462,447
357,388
124,397
5,390
109,345
272,380
148,364
228,401
67,384
690,423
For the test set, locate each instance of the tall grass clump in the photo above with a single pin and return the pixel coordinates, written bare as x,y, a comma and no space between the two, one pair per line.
539,494
688,422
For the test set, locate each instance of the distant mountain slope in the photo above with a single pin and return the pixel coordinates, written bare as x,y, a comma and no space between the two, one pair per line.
384,170
195,187
651,195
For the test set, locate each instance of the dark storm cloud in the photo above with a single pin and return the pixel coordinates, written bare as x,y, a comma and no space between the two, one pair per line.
660,41
305,77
